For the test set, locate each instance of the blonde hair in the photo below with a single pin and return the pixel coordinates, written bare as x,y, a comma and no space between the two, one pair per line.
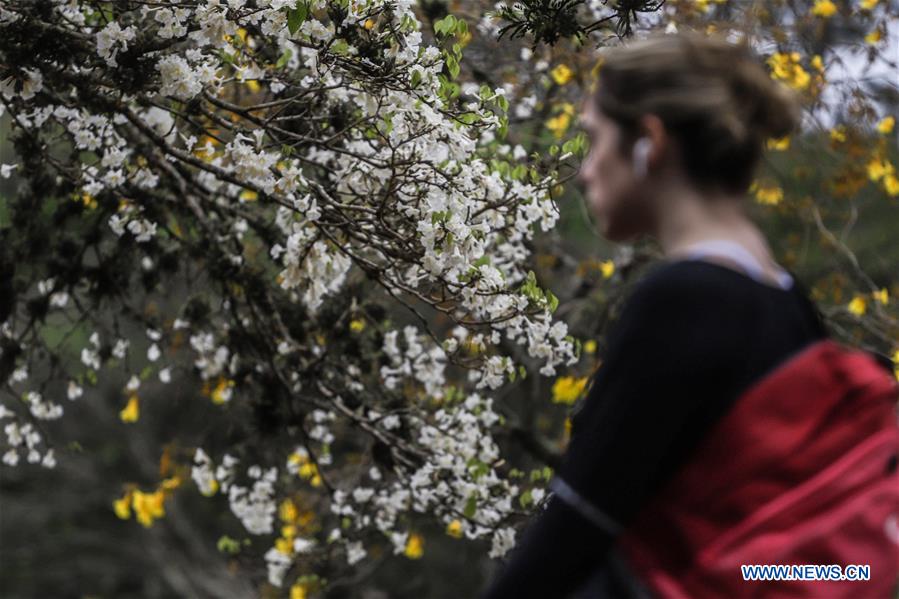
713,96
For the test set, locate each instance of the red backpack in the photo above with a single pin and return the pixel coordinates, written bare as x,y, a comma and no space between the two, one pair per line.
801,471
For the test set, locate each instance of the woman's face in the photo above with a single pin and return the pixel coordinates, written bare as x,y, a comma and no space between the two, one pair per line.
613,194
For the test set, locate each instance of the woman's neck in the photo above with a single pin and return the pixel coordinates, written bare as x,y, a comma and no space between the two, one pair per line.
687,216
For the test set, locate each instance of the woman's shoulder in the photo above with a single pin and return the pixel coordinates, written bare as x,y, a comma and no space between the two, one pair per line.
704,291
688,280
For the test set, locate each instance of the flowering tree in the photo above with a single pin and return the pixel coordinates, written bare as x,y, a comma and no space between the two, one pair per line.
289,166
334,222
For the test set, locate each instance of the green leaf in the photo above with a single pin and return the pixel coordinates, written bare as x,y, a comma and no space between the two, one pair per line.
452,65
282,61
553,301
340,46
468,117
228,545
297,16
525,498
503,128
445,25
471,506
226,58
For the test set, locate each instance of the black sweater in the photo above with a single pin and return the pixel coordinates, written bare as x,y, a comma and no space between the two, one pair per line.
692,336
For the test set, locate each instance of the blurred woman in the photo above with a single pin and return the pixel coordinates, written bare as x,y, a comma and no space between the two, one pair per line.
677,127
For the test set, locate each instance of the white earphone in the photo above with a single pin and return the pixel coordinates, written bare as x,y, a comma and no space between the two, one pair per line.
641,156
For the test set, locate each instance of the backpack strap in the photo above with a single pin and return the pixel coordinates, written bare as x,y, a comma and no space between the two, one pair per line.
740,255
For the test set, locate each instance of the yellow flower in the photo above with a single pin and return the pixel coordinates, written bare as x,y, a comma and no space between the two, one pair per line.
838,133
122,506
867,4
779,143
88,201
213,488
414,547
561,74
454,529
558,124
881,296
607,267
171,484
357,325
289,531
817,63
891,184
288,511
786,67
298,591
131,411
285,546
567,389
858,305
878,168
824,8
886,125
222,391
874,37
769,195
307,470
590,346
148,506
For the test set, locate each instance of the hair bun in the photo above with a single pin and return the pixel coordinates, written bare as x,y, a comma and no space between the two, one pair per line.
772,108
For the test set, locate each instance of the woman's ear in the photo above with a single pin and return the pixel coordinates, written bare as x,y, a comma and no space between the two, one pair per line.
652,128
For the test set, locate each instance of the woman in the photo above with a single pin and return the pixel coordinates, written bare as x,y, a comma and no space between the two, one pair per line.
676,126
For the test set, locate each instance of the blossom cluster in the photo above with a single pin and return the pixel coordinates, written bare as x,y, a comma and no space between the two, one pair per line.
290,153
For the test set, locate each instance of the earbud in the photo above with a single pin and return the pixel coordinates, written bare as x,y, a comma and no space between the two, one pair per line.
641,156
